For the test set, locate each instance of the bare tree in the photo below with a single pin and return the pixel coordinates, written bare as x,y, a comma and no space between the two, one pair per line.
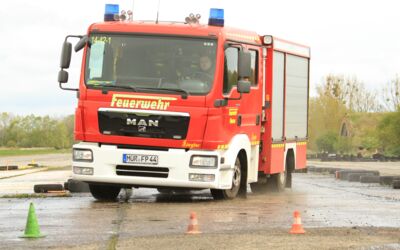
391,94
351,92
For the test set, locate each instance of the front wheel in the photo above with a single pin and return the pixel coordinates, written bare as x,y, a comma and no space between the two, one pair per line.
220,194
104,192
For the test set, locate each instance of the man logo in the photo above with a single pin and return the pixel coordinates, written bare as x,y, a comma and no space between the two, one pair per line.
142,123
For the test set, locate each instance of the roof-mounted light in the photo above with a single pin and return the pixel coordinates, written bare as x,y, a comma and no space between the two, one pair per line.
216,17
110,11
267,40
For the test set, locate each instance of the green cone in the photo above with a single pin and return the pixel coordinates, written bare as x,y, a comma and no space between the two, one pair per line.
32,229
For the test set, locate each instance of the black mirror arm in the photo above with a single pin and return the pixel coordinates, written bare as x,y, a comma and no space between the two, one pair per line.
76,36
71,89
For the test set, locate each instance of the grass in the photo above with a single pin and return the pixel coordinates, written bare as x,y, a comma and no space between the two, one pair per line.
23,196
31,151
59,168
32,196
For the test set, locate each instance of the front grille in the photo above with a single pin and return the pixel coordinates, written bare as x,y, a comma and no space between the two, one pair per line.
142,124
141,171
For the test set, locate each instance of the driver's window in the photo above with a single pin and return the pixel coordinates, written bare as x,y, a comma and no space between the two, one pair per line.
230,69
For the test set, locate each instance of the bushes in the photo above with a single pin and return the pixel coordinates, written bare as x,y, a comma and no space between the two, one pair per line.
327,142
389,133
36,131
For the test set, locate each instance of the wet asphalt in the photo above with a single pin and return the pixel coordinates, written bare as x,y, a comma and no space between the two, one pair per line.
80,220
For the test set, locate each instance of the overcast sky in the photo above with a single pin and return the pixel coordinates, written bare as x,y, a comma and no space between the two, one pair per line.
351,37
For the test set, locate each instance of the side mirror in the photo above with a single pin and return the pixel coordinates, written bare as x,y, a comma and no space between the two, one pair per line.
65,60
243,86
244,64
66,55
62,76
81,44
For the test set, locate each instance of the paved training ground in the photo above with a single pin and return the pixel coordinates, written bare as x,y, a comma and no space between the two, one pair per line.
334,214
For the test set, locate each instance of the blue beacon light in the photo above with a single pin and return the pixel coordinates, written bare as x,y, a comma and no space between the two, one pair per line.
110,11
216,17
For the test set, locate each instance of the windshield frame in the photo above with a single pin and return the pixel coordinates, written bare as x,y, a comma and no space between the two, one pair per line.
150,35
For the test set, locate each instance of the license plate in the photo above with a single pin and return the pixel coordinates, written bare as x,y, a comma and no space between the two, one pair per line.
140,159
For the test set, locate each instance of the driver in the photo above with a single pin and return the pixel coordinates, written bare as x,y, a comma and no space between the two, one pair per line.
206,70
205,64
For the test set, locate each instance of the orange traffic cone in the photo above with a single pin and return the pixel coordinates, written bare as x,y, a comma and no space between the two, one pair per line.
193,227
297,228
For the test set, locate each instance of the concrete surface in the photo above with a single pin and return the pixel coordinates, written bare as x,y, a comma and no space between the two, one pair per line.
335,214
53,160
24,184
15,173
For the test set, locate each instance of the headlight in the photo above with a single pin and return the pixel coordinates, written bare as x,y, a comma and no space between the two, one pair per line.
82,155
203,161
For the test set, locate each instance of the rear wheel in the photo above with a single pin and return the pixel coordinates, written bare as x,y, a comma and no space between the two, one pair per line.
276,182
104,192
220,194
259,188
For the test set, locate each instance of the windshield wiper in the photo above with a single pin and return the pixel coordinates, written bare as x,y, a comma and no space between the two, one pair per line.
109,86
184,93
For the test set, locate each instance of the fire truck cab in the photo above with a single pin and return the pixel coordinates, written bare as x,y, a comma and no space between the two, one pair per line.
187,106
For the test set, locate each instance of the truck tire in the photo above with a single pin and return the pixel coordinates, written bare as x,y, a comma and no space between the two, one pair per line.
221,194
258,188
165,190
277,182
75,186
44,188
104,192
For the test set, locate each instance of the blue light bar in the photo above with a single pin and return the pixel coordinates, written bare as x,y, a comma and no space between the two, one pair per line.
216,17
110,11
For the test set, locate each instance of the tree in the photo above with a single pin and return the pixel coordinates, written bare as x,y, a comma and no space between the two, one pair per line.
326,111
37,131
389,133
327,142
5,119
391,94
338,97
352,92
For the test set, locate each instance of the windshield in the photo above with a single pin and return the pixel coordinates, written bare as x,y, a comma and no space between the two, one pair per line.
151,62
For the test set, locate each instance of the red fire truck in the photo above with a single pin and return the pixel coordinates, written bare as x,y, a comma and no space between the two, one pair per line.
171,105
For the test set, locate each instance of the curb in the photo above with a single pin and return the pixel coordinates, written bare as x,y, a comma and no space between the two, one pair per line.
344,174
359,175
8,167
388,180
370,179
355,177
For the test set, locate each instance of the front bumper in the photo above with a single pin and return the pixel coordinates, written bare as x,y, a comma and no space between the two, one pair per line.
106,158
